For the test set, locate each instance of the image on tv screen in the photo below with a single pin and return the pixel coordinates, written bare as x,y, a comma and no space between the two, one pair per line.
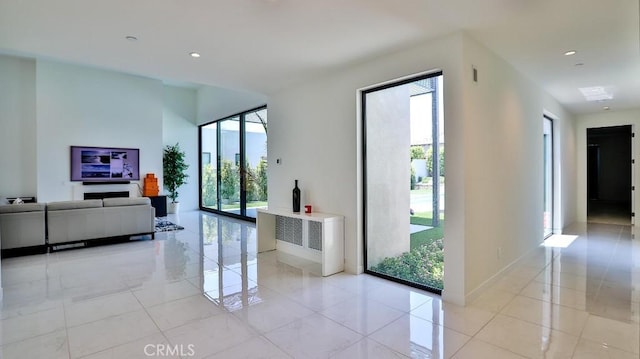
104,164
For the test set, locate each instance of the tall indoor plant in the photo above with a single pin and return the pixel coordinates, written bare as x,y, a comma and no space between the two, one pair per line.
174,169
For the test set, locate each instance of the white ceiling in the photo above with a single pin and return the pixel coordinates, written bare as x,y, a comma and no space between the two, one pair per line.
265,45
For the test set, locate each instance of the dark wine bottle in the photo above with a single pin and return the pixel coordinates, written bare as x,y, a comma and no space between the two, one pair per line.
296,198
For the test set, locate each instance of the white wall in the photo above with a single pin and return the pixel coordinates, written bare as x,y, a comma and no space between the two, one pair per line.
503,161
315,129
89,107
603,119
493,141
504,165
215,103
17,127
179,126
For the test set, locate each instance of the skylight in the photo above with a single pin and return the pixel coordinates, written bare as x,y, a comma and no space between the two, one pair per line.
596,93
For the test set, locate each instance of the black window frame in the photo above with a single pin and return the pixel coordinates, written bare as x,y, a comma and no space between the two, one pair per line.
242,143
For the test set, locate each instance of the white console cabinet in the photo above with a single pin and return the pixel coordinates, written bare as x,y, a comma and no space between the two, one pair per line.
318,237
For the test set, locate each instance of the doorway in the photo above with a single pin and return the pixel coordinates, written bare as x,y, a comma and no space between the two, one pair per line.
609,183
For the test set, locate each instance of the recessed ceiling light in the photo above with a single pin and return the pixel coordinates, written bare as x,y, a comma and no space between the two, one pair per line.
579,64
194,54
570,52
606,108
131,38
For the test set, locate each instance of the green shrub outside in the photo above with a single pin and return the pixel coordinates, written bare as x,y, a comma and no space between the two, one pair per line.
429,157
252,186
417,153
423,265
230,182
229,187
261,174
209,194
412,186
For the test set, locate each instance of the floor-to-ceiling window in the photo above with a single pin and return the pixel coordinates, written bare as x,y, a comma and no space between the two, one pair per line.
548,176
403,147
233,173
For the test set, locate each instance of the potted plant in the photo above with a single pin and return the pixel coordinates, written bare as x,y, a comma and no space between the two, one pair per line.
174,173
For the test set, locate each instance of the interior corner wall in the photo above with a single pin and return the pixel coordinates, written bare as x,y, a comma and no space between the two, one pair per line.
84,106
18,127
504,166
603,119
215,103
179,126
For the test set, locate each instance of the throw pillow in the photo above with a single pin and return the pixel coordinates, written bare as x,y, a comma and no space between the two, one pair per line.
3,200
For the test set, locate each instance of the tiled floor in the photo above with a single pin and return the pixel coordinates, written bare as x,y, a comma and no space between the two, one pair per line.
203,293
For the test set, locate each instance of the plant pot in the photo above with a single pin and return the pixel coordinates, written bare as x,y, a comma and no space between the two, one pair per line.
174,207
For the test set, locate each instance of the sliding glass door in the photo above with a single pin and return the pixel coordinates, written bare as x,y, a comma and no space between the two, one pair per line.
234,164
229,162
403,132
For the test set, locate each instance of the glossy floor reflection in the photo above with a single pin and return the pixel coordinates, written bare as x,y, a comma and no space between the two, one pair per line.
204,293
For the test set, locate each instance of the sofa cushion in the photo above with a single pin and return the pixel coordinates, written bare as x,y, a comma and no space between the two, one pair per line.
25,207
65,205
126,201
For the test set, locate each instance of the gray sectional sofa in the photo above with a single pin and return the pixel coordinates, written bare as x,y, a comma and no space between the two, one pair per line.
45,226
22,225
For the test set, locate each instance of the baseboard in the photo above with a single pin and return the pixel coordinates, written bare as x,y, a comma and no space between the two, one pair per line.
454,298
479,290
24,251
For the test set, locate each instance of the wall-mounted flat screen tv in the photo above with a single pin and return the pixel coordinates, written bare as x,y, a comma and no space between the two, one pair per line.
105,164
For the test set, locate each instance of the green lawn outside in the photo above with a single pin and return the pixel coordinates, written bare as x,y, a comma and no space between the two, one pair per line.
428,236
253,204
425,237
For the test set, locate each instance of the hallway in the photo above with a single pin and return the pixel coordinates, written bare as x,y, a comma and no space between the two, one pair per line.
608,213
204,292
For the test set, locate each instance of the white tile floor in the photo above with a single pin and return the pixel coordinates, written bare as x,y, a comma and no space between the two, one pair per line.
204,293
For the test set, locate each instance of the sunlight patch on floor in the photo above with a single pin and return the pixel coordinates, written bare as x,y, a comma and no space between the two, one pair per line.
559,241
